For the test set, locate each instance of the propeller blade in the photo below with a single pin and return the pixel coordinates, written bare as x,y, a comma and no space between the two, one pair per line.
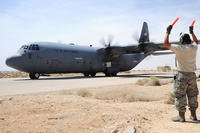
107,42
110,40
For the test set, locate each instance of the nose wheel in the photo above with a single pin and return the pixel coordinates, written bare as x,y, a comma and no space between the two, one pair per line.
34,75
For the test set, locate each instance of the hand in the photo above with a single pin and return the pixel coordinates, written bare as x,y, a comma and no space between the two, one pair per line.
191,29
169,28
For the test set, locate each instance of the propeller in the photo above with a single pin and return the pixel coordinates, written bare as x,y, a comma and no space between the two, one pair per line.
107,50
111,51
107,42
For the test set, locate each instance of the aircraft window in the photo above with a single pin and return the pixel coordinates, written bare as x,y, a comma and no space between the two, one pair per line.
34,47
22,47
30,47
25,47
37,48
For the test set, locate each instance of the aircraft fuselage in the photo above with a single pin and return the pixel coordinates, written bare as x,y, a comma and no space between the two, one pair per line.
47,58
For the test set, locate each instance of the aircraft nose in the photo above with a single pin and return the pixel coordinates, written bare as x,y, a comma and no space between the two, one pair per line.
13,61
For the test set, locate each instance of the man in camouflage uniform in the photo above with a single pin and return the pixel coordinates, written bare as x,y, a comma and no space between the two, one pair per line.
185,81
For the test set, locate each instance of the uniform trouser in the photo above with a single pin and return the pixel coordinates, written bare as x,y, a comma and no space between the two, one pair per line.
185,87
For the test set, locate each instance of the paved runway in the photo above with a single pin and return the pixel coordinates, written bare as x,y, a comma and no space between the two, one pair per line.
14,86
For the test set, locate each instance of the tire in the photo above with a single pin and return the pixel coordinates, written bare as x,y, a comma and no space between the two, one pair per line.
114,74
110,74
34,75
93,74
86,74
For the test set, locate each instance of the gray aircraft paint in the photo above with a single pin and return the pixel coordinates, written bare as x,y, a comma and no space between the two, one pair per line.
49,57
66,58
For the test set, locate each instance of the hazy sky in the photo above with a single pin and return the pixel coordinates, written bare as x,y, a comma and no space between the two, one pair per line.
85,22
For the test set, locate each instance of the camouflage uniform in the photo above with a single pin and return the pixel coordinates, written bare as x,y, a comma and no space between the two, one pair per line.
186,85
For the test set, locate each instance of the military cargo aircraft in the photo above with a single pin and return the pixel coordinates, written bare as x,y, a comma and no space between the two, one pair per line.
40,58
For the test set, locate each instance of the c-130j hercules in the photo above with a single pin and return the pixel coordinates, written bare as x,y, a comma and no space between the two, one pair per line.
41,58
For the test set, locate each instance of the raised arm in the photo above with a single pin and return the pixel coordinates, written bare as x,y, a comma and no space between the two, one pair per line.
166,41
193,35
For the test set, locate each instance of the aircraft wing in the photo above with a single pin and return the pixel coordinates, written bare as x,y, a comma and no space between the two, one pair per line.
118,50
150,47
162,52
147,48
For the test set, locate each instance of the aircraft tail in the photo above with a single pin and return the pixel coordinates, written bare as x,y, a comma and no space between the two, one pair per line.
144,37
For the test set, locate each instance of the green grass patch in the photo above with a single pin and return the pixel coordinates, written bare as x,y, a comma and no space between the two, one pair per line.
16,74
84,93
153,81
171,98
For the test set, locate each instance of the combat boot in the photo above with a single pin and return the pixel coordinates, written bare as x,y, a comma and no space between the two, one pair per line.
179,118
193,116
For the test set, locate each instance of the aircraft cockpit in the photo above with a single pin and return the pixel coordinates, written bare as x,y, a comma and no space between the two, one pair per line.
31,47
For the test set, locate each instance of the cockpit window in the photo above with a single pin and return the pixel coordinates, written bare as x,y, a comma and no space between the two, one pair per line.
24,47
33,47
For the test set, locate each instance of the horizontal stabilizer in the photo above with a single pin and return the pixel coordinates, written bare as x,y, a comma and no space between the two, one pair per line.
162,52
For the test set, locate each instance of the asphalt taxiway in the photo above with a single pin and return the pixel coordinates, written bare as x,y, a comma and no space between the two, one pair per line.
14,86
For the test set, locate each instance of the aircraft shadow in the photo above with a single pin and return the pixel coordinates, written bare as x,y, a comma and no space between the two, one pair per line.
61,78
146,75
194,122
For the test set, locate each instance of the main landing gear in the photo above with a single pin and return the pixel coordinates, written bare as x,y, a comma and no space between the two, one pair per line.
110,74
89,74
34,75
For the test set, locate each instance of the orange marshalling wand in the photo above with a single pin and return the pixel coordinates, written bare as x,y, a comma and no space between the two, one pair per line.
193,22
174,22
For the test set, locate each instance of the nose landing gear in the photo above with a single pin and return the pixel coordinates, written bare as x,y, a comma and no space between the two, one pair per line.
34,75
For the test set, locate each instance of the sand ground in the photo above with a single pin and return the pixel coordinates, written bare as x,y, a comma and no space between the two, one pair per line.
109,109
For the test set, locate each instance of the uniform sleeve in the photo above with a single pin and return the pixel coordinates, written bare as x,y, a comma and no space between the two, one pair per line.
175,47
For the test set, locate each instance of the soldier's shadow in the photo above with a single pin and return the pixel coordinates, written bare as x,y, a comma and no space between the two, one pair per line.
194,122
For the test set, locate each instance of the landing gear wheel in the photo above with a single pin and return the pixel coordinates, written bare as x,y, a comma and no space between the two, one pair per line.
107,74
93,74
34,75
86,74
114,74
110,74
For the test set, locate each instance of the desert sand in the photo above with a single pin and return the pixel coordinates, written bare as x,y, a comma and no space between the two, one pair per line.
109,109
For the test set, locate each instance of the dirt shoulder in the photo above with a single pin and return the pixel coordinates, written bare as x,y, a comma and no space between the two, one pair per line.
105,109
